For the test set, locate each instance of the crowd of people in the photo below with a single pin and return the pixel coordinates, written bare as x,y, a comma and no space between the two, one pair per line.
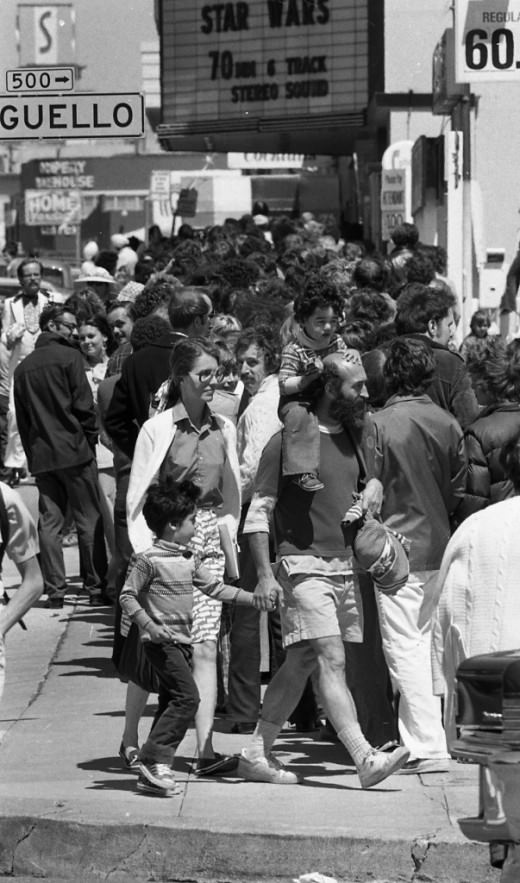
267,415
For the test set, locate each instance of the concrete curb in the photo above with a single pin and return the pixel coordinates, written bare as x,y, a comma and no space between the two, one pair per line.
39,847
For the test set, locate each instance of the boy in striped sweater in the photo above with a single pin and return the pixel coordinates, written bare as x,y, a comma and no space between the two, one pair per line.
158,597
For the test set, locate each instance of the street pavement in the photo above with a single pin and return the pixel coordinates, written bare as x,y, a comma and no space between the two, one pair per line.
69,810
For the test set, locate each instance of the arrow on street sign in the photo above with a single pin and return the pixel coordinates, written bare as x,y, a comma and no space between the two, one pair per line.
40,79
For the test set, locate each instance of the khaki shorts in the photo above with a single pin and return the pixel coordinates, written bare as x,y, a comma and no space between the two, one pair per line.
321,597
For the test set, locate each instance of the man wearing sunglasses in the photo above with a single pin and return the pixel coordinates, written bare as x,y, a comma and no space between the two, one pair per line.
58,428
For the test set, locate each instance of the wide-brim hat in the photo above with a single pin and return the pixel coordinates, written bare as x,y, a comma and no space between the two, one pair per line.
98,275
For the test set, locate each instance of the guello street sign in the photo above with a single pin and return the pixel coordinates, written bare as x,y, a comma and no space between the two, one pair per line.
80,115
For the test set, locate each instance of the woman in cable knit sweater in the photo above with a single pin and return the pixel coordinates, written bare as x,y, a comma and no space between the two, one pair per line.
479,604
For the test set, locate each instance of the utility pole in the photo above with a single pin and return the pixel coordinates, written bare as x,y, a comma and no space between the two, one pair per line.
461,121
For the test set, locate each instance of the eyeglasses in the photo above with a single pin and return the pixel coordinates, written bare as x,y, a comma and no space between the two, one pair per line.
69,325
31,275
207,376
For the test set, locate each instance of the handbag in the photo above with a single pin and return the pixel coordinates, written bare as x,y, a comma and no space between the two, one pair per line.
134,664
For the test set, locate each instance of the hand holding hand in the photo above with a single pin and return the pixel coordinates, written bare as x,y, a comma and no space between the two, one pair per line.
266,594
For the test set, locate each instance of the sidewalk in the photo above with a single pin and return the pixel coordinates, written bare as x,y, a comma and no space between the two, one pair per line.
69,811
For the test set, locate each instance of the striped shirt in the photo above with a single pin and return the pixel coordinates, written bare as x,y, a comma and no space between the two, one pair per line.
159,587
296,356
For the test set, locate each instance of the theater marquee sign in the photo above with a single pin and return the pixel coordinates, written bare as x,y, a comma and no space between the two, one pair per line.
265,59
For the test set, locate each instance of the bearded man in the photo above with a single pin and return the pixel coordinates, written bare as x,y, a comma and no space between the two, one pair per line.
320,604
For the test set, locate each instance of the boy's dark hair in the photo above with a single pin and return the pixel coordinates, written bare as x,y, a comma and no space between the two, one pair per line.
168,502
317,292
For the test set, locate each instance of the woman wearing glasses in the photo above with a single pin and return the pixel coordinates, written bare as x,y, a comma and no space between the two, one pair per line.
188,441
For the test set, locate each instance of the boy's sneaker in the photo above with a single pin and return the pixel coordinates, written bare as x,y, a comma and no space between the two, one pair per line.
378,765
308,481
266,769
158,774
149,788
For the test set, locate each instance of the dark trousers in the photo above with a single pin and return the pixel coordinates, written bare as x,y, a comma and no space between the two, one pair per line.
178,701
300,437
243,703
4,410
77,486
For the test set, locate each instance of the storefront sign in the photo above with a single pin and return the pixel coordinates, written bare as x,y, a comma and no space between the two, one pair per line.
47,207
266,160
393,200
487,40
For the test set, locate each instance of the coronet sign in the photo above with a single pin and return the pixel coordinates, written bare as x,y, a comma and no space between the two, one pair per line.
81,115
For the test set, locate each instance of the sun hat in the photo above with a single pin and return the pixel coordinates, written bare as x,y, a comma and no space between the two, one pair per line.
99,274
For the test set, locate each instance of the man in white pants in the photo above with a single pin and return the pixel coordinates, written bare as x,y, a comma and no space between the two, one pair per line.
418,455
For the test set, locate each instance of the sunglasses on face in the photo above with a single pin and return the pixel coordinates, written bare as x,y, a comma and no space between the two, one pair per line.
208,375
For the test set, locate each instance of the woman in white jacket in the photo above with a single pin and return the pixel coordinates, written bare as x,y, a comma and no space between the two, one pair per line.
188,441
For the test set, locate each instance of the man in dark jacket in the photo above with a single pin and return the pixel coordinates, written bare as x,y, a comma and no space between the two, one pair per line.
58,427
427,313
143,372
419,458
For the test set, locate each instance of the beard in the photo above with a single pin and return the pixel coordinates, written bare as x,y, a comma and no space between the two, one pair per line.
351,415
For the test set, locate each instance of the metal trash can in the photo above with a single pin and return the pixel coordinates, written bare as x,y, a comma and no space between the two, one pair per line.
488,719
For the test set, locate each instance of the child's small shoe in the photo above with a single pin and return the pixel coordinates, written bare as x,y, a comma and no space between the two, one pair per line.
355,513
309,482
130,756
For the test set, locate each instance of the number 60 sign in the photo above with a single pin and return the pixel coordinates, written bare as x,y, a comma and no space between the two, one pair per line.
487,40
